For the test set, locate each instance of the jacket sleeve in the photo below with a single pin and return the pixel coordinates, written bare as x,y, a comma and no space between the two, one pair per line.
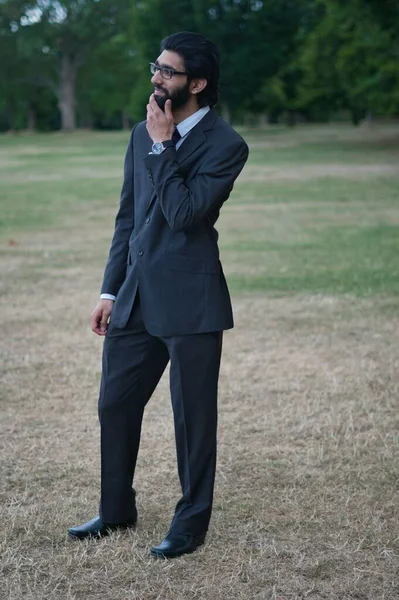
115,271
184,205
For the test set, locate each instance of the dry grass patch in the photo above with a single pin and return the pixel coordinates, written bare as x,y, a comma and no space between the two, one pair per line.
72,173
306,501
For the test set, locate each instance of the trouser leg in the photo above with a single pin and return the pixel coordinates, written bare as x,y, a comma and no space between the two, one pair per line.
133,363
194,373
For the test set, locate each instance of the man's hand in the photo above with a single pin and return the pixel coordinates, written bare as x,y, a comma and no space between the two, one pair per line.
100,316
160,125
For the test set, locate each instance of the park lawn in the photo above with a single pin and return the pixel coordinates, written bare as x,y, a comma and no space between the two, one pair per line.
307,499
310,213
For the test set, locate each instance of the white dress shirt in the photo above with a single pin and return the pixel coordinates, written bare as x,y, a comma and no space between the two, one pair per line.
184,129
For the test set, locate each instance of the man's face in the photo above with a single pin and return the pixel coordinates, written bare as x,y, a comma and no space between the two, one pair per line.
177,89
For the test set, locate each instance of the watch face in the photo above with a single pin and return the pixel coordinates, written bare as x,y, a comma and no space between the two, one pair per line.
157,148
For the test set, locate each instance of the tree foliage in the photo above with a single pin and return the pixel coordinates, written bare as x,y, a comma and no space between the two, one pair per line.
85,62
350,59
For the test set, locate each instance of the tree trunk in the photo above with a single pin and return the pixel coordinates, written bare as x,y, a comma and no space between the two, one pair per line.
32,117
226,116
125,122
369,118
66,100
290,117
356,116
247,120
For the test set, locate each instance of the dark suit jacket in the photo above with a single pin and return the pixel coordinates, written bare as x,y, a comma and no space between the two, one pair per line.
165,242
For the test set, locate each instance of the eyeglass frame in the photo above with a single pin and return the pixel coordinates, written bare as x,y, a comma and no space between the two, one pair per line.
154,68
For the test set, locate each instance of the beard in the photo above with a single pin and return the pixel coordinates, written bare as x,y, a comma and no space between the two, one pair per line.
178,96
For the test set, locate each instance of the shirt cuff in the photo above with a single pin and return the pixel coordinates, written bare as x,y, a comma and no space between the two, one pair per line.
108,297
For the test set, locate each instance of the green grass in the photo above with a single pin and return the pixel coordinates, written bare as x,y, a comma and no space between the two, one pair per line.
377,190
40,204
290,226
324,152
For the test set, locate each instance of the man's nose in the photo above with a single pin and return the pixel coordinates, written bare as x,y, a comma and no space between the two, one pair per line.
156,78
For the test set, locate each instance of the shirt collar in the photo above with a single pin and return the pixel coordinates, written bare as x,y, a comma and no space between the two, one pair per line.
186,126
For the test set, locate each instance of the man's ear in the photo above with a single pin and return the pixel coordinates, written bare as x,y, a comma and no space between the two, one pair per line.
197,85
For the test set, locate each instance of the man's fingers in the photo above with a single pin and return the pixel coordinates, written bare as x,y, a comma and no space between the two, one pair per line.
168,110
104,321
159,123
152,105
99,318
95,323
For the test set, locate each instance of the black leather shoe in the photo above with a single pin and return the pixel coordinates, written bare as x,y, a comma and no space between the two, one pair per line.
176,544
96,528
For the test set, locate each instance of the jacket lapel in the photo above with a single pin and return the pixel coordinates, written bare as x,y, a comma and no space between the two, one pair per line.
196,137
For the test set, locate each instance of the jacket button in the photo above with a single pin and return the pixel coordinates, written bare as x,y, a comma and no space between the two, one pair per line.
148,219
140,253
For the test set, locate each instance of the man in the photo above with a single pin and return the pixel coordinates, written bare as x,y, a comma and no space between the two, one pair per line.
164,292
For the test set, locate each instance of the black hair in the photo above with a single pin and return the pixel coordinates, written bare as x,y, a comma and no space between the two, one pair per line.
201,60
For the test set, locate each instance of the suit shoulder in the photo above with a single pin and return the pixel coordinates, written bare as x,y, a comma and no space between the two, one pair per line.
139,137
139,128
227,133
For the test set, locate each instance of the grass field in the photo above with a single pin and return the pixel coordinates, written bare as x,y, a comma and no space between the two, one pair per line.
307,495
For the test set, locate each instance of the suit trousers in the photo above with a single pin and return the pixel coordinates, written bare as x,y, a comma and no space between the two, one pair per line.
133,363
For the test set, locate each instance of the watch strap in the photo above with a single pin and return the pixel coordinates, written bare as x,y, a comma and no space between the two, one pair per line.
159,147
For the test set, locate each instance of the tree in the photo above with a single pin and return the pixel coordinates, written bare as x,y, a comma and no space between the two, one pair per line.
60,37
15,91
350,59
106,83
255,39
90,57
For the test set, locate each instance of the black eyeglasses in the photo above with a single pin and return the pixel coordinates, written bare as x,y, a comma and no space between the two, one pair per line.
166,72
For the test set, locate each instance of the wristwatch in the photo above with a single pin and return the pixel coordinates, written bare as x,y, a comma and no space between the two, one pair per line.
159,147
